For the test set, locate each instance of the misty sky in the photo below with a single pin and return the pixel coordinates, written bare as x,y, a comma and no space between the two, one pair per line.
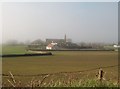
80,21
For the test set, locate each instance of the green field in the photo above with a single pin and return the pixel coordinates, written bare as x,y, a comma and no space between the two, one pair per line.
8,49
62,61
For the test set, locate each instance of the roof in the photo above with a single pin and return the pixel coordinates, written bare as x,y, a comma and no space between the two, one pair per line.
54,40
50,45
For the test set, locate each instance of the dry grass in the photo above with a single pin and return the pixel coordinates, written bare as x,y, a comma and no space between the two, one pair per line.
60,80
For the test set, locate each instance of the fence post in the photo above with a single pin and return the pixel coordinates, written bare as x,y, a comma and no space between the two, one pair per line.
100,74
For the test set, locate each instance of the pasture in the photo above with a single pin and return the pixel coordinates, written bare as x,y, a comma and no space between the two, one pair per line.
62,61
16,49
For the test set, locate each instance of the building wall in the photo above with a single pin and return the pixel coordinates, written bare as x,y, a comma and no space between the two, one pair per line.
54,41
48,47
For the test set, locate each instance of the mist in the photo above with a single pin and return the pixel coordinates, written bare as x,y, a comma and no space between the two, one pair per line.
80,21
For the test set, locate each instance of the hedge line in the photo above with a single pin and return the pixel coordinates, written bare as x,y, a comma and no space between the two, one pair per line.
25,55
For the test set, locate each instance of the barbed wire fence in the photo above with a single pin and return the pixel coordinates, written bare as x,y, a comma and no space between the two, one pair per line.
13,82
64,72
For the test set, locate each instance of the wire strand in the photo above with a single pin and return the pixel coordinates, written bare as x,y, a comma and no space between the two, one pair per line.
63,72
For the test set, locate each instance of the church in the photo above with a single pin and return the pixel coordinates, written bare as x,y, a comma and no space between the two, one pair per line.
48,41
52,43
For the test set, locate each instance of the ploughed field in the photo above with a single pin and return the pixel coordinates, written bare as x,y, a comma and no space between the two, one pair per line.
67,61
62,61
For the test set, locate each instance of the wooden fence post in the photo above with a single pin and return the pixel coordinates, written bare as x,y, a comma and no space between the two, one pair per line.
100,75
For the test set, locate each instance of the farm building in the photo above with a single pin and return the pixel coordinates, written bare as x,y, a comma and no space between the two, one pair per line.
51,46
116,46
48,41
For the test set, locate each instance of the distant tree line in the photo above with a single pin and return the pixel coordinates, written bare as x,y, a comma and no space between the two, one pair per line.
40,44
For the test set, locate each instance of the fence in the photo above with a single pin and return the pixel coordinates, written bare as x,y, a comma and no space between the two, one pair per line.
64,72
33,83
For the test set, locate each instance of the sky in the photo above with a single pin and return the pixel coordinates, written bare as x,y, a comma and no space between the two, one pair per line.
80,21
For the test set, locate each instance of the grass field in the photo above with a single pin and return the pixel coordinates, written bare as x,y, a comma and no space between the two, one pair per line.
17,49
62,61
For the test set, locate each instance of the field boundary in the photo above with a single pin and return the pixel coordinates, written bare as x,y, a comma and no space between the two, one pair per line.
25,55
73,50
6,75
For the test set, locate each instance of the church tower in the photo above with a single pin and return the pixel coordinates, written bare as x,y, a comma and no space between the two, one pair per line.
65,38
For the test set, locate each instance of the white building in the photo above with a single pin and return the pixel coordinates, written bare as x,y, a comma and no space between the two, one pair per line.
50,46
116,46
